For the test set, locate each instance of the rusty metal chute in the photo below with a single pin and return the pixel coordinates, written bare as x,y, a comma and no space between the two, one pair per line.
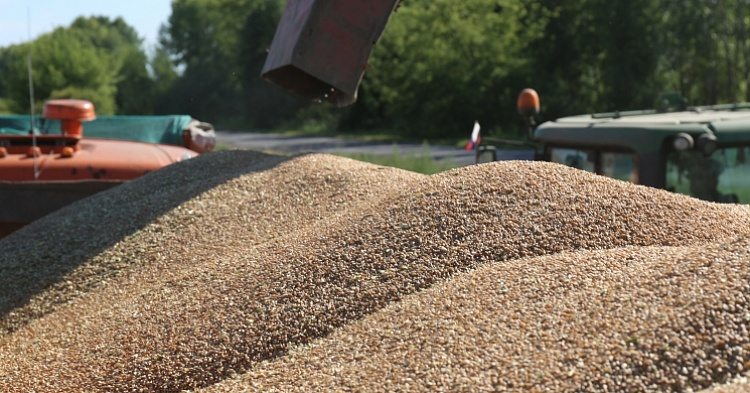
321,47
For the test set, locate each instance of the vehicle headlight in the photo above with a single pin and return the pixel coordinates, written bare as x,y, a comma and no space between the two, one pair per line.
707,143
682,141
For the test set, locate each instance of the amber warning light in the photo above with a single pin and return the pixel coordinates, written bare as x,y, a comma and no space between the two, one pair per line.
528,103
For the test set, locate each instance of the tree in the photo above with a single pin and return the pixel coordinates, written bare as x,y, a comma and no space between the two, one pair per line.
596,55
629,52
95,58
264,105
4,59
121,42
62,64
706,54
442,64
165,77
220,46
199,37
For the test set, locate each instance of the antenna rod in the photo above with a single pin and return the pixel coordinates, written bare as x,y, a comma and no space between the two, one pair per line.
31,91
31,95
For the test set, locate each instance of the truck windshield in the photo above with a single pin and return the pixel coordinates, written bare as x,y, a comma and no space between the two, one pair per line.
724,176
617,165
579,159
620,166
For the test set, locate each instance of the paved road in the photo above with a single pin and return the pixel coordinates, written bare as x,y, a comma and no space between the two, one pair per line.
288,144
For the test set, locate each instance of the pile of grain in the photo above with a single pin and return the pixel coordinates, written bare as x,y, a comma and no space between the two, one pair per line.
630,319
189,279
223,201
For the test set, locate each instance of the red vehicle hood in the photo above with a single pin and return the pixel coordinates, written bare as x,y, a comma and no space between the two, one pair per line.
101,159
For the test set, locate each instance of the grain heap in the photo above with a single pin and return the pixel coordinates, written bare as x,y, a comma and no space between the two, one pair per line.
240,272
591,321
251,195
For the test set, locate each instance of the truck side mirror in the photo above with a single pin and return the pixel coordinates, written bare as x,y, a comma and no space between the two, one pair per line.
486,154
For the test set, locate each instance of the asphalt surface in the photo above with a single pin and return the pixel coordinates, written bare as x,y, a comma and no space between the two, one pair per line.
298,144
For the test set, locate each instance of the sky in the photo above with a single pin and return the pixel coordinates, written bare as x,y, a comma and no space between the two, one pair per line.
21,19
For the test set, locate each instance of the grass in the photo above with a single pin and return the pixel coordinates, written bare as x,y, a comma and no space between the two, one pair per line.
421,163
311,129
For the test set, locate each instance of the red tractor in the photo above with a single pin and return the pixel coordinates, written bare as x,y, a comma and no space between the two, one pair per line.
48,163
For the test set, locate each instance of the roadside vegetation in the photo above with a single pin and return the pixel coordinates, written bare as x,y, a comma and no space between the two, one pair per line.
423,162
420,163
4,109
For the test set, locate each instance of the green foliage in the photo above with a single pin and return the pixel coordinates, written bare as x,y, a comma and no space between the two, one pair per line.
4,108
165,78
264,105
706,50
95,58
4,59
199,38
316,119
596,55
441,64
60,61
121,42
629,58
420,163
221,46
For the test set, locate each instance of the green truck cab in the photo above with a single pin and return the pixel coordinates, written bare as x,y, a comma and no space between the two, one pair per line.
697,151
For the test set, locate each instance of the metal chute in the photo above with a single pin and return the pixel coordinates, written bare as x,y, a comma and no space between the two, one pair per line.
321,47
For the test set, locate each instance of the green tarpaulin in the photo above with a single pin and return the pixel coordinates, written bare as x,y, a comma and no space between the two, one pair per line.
152,129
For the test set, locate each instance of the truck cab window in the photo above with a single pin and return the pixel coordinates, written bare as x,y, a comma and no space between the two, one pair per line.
617,165
724,176
622,166
579,159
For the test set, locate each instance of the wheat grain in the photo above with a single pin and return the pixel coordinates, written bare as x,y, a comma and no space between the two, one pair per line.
243,263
